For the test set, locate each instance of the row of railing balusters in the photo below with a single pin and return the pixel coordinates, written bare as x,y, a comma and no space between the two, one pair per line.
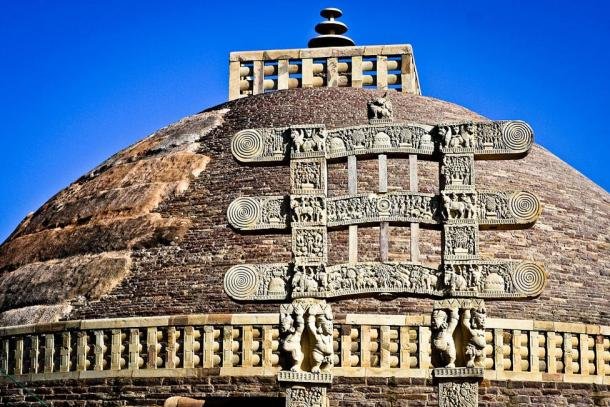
247,346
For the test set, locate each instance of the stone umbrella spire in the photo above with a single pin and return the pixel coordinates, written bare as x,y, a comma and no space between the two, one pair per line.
331,31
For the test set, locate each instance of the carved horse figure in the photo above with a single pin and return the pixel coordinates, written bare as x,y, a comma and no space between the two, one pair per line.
453,209
454,281
302,212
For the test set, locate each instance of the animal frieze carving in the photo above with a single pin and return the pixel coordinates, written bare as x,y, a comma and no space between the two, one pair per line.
346,280
489,208
393,207
492,140
465,279
506,137
494,279
307,140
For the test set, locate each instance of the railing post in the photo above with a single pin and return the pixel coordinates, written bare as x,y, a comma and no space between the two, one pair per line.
134,349
82,349
34,353
567,353
551,358
499,350
116,348
152,347
384,333
65,352
188,351
247,346
227,346
99,351
533,352
405,348
425,337
365,346
208,346
49,353
19,355
172,350
516,350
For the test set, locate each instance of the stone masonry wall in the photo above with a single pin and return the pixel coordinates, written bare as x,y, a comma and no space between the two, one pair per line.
346,392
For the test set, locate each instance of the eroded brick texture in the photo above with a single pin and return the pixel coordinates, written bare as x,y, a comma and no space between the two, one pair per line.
571,237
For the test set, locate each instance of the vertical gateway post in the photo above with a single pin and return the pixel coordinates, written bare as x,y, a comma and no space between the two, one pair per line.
460,283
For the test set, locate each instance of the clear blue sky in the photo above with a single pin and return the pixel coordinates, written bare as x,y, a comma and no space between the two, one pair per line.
80,80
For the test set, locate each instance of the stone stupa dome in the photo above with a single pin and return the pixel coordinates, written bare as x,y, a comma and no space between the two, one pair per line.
145,233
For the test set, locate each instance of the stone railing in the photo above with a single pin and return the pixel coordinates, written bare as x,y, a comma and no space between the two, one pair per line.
249,345
381,67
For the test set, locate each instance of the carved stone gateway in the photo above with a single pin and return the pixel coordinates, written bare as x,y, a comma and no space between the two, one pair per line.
459,210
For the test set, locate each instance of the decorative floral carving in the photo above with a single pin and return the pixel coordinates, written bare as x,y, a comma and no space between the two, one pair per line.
461,241
307,176
457,170
458,394
299,396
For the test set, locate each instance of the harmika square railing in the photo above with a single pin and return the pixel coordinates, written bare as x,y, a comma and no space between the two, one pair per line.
380,67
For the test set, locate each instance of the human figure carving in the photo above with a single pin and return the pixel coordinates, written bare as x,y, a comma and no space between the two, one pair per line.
474,323
293,329
468,135
321,327
443,325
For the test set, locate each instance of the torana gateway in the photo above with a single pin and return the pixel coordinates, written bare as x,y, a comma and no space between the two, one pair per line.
328,237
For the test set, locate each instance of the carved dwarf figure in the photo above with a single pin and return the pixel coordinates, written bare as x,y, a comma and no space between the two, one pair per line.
293,328
321,327
474,324
443,325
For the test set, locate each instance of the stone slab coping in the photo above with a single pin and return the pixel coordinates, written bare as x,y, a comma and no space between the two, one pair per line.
326,52
273,319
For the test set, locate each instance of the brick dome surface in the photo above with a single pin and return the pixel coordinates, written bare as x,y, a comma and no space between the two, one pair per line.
146,233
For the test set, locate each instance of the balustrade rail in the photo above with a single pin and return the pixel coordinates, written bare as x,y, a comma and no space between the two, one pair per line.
249,345
381,67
